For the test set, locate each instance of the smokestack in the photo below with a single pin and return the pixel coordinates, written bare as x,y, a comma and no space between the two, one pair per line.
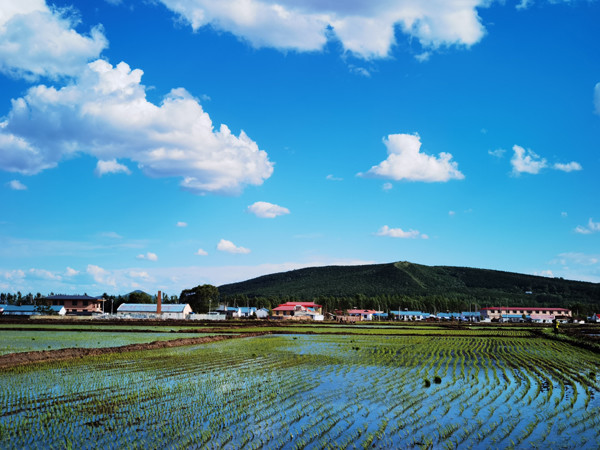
159,303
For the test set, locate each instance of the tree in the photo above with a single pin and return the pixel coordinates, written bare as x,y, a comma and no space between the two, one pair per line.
140,297
200,298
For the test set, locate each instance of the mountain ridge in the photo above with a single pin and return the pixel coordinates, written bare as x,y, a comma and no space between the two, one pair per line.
418,283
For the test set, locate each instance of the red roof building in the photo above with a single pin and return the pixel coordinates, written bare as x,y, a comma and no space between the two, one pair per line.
297,309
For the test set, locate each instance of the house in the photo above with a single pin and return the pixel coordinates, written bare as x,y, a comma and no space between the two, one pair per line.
262,313
149,311
309,305
77,304
298,311
510,313
362,314
450,316
410,315
541,318
32,310
228,311
513,318
471,316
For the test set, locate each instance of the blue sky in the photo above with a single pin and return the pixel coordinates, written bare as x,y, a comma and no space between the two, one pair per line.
166,144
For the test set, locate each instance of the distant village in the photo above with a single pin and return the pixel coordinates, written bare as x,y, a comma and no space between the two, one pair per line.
84,305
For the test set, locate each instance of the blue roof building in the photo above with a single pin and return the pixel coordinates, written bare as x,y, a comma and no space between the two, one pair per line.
31,310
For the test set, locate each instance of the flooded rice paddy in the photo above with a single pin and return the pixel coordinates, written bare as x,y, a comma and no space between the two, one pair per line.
311,391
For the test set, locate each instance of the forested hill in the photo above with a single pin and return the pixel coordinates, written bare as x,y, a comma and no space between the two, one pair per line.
416,285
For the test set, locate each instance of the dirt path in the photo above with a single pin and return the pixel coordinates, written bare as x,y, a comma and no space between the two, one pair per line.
24,358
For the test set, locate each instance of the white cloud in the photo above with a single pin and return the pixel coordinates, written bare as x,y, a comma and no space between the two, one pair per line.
387,186
597,98
71,272
37,41
139,274
524,4
43,274
545,273
104,113
229,247
498,153
578,258
16,274
564,214
16,185
569,167
101,276
405,161
367,29
592,227
399,233
331,177
201,252
181,224
526,161
451,213
112,166
267,210
148,256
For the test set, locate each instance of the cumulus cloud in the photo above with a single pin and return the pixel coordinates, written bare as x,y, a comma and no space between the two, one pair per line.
405,161
201,252
498,153
112,166
267,210
16,185
105,113
591,227
38,41
148,256
43,274
577,258
70,272
527,161
366,29
181,224
100,275
597,98
569,167
139,274
229,247
400,233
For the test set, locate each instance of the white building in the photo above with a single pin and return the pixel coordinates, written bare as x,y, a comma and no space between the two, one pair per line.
148,311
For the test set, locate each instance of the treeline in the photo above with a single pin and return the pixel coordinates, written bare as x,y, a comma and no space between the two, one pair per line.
111,304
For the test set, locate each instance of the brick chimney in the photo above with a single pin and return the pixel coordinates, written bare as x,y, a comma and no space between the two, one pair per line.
159,303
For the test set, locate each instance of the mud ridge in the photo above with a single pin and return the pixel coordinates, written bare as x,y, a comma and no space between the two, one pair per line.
25,358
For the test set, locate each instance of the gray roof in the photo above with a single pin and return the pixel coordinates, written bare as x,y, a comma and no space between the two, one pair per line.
150,308
72,297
